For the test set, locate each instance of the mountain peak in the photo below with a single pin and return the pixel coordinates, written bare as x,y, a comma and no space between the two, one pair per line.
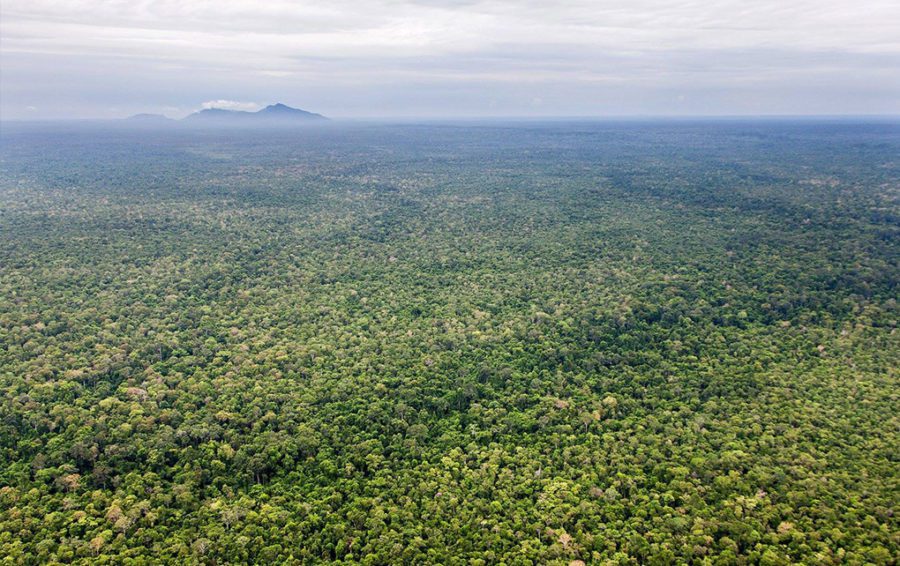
274,113
285,110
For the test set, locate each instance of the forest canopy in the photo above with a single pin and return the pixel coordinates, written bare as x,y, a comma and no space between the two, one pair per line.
620,343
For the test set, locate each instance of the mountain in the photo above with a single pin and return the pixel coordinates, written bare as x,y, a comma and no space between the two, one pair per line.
216,114
149,118
280,110
275,114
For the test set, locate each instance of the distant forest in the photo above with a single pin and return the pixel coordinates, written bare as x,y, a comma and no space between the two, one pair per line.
521,344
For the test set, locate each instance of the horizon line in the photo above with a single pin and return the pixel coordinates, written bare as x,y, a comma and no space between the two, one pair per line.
549,117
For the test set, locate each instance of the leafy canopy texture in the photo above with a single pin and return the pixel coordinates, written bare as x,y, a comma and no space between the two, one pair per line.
489,344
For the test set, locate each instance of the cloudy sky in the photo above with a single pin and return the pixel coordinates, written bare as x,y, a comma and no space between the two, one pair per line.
449,58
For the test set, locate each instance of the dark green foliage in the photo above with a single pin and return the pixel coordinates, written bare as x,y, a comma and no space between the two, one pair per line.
532,344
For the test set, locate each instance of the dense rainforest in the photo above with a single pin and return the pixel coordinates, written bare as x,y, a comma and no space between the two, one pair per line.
486,343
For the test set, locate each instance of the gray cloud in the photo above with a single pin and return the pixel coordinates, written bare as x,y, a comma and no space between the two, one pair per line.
445,58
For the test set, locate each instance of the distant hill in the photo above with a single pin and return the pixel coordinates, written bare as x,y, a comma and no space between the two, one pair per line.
280,110
149,118
270,115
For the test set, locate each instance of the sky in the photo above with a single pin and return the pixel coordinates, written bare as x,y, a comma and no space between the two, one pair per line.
449,58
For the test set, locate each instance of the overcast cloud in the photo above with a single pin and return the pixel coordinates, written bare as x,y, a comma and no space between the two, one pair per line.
95,58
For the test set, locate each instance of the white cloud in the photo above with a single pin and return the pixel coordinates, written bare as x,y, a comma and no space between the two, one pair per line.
231,105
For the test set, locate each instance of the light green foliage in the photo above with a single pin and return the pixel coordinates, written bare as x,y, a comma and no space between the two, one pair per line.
622,344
